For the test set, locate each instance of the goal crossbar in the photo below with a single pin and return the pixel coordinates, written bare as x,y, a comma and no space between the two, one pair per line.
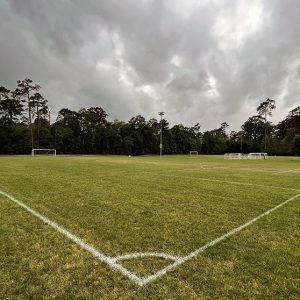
193,153
46,151
257,155
245,156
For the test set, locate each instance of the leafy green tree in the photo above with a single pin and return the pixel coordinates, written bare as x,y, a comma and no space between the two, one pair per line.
40,110
13,137
253,133
296,145
89,131
10,106
292,121
265,109
286,132
223,128
94,124
216,141
68,132
26,88
135,130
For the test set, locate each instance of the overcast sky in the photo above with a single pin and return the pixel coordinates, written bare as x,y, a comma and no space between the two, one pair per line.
199,61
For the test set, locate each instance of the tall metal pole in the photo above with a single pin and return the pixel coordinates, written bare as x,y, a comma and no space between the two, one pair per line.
160,144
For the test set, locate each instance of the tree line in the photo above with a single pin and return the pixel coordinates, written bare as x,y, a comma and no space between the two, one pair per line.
25,123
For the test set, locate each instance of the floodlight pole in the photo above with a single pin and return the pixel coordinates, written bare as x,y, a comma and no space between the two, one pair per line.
160,144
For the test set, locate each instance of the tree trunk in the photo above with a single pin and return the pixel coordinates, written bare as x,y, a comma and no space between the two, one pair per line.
30,121
265,150
38,124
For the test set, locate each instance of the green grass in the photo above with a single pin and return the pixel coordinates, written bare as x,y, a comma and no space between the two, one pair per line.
173,204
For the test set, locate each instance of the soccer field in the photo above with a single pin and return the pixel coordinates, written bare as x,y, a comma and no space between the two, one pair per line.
176,227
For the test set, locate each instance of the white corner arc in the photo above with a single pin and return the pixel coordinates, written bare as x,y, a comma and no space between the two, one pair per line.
114,262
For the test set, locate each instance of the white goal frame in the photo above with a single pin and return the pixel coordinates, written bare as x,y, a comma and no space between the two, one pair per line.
246,156
233,155
258,155
193,153
46,150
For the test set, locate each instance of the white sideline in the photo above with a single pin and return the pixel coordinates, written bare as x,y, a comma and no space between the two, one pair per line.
107,259
113,261
226,168
213,242
224,181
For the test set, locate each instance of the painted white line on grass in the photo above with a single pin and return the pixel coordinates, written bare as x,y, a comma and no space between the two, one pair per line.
146,254
224,181
286,171
228,168
104,258
183,259
207,168
113,261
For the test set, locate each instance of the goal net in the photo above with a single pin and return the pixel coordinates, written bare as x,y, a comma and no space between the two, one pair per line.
245,156
257,156
233,156
193,152
35,152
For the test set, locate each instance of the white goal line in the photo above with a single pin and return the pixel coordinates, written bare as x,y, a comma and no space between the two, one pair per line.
114,262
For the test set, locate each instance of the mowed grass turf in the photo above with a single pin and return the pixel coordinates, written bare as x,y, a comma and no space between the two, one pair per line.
173,204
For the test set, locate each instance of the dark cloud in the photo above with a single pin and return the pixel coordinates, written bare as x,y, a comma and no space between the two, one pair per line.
200,61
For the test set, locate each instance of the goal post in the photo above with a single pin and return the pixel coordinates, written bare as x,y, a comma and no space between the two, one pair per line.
257,156
232,155
35,152
193,153
245,156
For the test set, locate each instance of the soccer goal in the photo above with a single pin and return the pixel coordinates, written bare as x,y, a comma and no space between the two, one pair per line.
193,153
257,156
233,156
35,152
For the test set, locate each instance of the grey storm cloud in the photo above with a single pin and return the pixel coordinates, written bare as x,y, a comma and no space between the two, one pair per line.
199,61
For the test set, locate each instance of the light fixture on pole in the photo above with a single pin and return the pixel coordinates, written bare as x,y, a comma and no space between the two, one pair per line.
160,144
